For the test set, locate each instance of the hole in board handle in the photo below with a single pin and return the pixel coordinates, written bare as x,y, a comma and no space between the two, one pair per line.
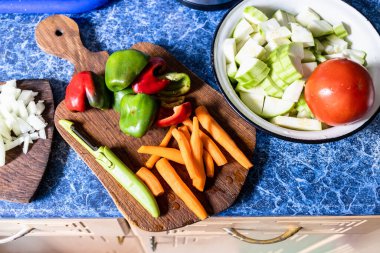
58,33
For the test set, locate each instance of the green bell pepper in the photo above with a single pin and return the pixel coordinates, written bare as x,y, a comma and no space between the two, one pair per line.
137,114
123,67
118,96
180,84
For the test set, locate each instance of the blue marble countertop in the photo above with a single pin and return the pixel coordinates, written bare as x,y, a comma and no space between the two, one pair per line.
340,178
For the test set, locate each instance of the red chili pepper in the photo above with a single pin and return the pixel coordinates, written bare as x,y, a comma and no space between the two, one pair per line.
181,113
148,82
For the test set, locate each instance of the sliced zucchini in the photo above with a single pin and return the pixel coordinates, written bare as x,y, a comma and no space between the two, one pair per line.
269,25
274,107
284,18
255,102
271,88
250,50
254,15
308,68
301,34
259,38
308,56
229,49
279,33
294,91
320,28
340,30
242,29
297,123
306,16
251,72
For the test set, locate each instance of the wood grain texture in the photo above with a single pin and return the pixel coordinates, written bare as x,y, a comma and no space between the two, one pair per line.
220,192
59,35
22,173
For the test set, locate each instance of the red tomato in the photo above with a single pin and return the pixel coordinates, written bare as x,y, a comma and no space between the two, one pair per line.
339,92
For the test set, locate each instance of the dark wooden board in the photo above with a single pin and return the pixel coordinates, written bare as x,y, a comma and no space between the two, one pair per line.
220,192
22,173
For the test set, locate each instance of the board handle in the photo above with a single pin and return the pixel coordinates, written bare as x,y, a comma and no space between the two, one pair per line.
59,35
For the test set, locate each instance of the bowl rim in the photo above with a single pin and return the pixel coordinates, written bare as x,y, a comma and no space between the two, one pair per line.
286,138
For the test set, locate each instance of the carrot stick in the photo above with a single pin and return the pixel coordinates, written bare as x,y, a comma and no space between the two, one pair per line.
209,145
180,188
165,141
209,163
151,181
187,155
197,149
185,130
169,153
218,133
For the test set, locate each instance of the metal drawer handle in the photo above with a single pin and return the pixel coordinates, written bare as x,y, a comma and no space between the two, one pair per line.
24,231
289,233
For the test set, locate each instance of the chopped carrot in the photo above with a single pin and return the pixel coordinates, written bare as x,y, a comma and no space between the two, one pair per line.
180,188
209,145
185,130
151,181
197,149
187,155
165,141
218,133
209,163
169,153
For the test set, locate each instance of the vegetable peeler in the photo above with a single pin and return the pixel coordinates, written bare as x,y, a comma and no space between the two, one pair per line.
116,168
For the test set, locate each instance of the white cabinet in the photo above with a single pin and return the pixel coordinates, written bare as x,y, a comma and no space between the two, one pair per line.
317,235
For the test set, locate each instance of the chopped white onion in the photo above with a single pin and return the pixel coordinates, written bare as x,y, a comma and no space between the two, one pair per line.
20,118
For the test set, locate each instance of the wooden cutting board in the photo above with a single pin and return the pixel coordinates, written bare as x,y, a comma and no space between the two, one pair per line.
22,173
220,192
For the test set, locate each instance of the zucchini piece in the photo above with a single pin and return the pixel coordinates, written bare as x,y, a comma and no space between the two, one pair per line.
276,43
308,68
274,107
251,72
269,25
254,15
250,50
318,46
293,92
241,43
301,34
229,49
306,16
242,29
271,88
258,90
340,30
308,56
255,102
259,38
284,18
231,71
333,44
297,123
279,33
320,28
303,108
278,81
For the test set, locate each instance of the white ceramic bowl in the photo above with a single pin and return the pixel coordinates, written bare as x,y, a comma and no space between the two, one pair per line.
362,35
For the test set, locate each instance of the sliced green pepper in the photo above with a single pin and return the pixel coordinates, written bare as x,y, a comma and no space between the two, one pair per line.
180,84
137,113
118,96
123,67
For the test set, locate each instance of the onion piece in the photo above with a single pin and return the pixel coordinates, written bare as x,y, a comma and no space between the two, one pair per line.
2,152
